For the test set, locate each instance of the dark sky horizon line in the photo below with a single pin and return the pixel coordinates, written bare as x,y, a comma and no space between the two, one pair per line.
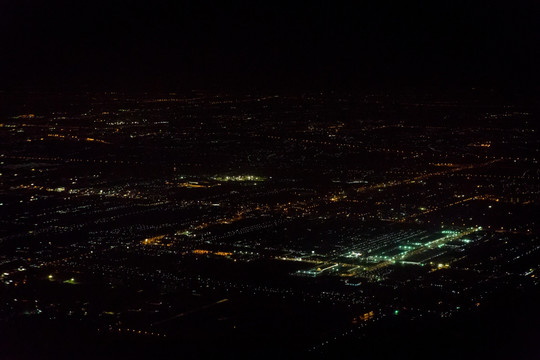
239,44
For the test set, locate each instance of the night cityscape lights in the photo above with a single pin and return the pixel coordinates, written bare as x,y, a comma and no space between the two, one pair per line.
269,180
145,233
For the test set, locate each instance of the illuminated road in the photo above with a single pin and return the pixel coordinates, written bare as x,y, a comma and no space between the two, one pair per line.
422,177
189,312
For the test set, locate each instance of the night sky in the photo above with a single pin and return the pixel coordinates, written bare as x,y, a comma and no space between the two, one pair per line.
170,45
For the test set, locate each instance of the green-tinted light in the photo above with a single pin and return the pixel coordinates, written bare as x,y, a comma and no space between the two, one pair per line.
396,312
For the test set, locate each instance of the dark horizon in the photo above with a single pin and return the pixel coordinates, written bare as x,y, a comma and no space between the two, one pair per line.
172,46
